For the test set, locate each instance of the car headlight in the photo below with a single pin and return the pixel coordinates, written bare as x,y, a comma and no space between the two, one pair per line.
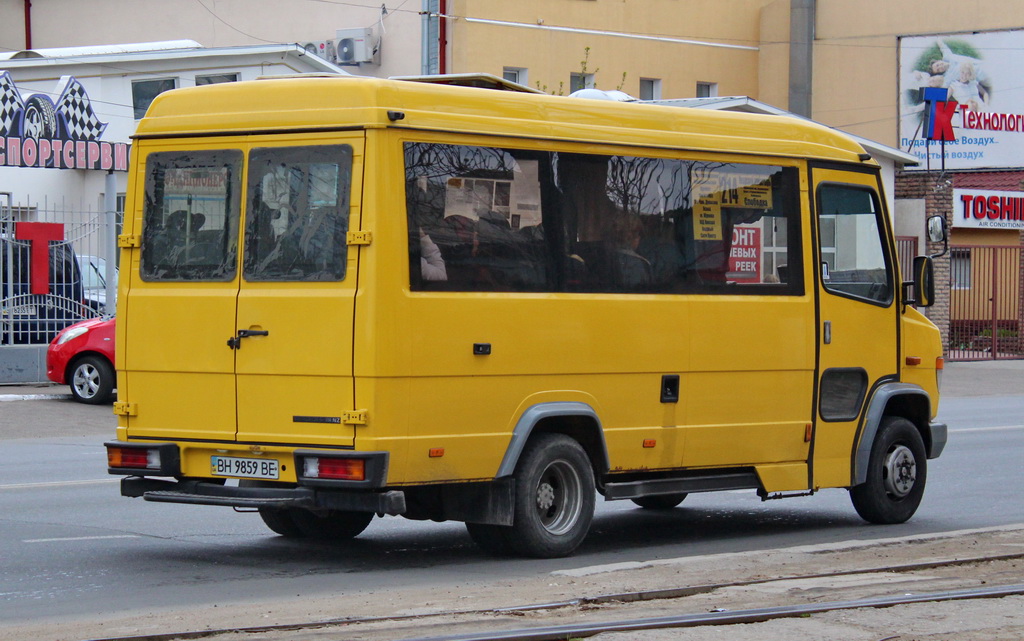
74,332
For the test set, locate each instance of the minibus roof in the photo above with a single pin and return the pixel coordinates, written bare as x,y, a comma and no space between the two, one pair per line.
309,104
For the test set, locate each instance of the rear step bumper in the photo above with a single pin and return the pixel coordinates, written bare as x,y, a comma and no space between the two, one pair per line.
204,493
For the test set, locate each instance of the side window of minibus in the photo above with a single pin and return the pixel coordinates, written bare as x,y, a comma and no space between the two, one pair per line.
297,213
853,257
475,219
662,225
190,215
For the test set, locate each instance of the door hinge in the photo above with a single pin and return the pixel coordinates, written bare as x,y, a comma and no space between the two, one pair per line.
354,417
129,240
124,408
359,238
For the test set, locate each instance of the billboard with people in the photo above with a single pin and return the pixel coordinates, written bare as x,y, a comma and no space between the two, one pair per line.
978,72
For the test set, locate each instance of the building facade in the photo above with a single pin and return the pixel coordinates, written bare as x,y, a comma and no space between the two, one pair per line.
852,65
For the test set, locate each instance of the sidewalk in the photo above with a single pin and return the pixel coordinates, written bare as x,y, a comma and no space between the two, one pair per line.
983,378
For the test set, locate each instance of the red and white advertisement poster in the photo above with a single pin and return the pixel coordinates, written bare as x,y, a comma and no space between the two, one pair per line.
745,255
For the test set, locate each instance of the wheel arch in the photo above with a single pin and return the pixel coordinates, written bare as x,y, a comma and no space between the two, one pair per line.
74,360
574,419
892,399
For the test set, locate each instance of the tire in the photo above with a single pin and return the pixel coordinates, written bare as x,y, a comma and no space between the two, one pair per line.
40,119
92,380
492,539
332,525
280,522
897,472
554,497
660,501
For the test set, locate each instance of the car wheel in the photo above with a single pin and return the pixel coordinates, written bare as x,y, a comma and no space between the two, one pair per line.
897,470
92,380
660,501
554,499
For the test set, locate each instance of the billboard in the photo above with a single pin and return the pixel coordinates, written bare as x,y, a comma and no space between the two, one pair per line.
980,73
38,131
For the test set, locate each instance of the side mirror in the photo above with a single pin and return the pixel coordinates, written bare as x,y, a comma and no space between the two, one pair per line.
936,229
924,282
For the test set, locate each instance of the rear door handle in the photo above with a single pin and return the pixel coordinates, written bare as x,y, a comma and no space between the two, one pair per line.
235,342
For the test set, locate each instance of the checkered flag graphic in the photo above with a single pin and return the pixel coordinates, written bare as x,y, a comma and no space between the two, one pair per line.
11,104
76,109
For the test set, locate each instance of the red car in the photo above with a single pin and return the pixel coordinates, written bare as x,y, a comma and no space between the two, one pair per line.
82,356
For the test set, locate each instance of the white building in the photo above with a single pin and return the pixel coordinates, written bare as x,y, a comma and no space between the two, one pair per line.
66,121
93,97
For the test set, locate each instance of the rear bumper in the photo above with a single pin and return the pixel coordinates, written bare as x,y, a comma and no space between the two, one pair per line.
205,493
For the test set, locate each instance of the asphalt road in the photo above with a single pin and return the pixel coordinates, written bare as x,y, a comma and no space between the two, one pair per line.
73,548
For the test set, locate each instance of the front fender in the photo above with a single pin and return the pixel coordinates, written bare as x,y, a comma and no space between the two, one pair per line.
915,405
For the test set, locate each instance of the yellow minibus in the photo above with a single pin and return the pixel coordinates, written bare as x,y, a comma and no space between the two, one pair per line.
344,297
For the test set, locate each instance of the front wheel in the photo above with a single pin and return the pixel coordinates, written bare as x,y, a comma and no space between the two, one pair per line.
554,498
897,471
92,380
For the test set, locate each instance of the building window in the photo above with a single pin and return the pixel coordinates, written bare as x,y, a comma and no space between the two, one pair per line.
707,89
960,267
650,89
216,78
579,81
515,74
144,91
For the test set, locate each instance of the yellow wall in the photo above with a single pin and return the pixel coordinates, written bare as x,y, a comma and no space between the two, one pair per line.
550,56
856,48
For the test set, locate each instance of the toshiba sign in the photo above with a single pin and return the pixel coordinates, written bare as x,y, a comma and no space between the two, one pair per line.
987,209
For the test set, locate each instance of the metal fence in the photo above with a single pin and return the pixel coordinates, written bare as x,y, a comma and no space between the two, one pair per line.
57,267
986,313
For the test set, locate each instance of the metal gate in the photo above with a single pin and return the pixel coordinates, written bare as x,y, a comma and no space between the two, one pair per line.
986,316
54,271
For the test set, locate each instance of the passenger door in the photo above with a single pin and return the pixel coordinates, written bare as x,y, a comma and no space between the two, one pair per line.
858,314
292,341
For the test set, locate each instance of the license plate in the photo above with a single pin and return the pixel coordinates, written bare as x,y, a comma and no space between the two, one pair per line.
250,468
24,310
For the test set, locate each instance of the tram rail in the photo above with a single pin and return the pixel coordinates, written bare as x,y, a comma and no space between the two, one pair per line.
350,627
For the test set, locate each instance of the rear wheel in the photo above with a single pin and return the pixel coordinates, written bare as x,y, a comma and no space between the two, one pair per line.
897,471
92,380
331,525
280,522
554,498
660,501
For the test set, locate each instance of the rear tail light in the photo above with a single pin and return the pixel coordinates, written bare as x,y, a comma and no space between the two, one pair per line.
345,469
157,459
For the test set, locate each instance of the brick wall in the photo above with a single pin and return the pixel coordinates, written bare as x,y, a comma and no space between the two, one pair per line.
937,193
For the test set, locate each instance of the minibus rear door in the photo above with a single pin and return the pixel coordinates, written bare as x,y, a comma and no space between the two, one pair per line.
292,342
177,374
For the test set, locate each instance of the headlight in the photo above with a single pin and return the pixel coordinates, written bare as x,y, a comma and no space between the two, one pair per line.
74,332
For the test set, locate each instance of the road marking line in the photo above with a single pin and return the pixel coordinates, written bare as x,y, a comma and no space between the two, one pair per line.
22,486
996,428
82,538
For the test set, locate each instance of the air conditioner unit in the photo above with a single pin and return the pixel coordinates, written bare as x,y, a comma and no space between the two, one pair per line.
354,46
323,48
